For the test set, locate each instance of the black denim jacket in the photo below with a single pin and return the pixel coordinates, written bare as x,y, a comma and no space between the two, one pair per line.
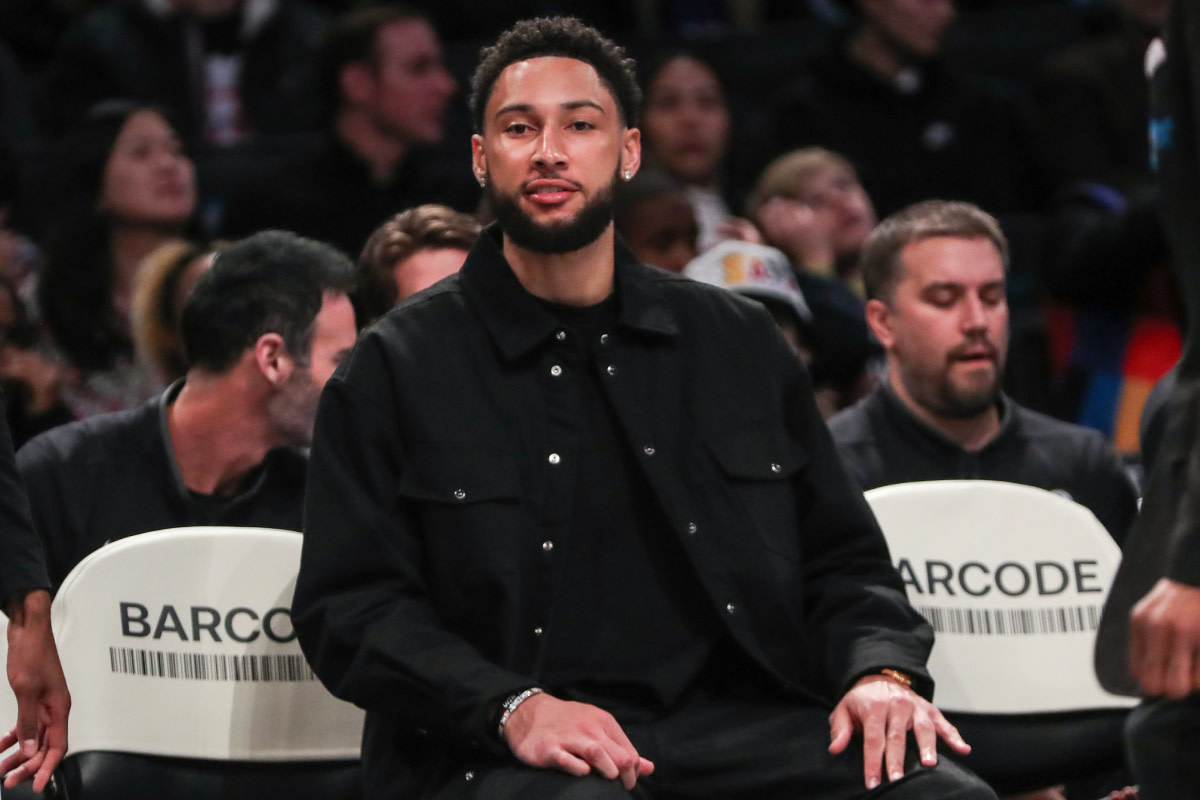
443,459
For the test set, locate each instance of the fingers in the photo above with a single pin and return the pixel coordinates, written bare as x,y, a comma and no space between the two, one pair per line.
56,747
898,721
840,729
948,733
27,728
25,770
926,735
874,742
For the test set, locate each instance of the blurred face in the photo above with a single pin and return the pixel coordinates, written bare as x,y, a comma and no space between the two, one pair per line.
148,179
293,409
662,231
834,192
946,327
408,88
915,28
426,267
686,121
552,147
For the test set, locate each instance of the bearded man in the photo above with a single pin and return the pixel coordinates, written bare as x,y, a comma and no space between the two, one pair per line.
574,527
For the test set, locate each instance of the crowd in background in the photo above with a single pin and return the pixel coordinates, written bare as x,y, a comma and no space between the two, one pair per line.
138,136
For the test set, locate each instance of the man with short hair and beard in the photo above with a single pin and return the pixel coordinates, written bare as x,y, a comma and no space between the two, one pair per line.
262,330
935,281
574,526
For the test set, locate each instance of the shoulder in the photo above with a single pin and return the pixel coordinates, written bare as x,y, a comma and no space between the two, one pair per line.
119,435
1072,446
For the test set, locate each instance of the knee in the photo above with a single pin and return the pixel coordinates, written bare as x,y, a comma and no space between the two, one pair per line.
949,781
589,788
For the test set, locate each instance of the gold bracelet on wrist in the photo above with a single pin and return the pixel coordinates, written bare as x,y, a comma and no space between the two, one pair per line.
898,676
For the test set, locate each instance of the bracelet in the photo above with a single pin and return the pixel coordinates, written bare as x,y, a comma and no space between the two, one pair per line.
898,676
510,705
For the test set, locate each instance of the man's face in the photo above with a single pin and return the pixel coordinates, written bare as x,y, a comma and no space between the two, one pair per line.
663,231
293,410
551,151
407,88
916,28
946,327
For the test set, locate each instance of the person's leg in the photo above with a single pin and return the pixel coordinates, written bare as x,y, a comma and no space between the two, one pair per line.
761,751
1163,740
509,781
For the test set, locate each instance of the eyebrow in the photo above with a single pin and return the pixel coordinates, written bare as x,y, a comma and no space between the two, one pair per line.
528,108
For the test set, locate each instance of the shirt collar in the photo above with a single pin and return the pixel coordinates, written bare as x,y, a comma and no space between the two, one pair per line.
518,323
904,416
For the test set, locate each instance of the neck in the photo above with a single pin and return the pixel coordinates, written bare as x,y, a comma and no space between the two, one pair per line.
129,244
219,431
381,152
871,49
583,277
971,433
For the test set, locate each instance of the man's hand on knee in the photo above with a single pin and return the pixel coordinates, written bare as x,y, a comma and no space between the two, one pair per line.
1164,639
576,738
884,710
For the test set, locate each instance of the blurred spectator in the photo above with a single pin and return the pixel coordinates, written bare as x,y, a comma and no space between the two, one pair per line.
810,205
654,217
16,109
686,128
914,128
264,329
1116,326
122,186
164,281
384,77
410,252
224,68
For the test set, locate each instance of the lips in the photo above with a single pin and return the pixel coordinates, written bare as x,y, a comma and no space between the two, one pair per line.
973,354
550,191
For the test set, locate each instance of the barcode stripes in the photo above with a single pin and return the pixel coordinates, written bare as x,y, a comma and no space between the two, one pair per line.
283,667
1011,621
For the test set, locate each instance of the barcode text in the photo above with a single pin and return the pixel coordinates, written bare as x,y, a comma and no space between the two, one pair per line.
283,667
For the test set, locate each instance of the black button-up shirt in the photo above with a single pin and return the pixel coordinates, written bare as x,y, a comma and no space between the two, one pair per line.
443,462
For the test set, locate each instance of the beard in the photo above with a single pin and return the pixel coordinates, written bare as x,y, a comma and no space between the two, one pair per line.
562,237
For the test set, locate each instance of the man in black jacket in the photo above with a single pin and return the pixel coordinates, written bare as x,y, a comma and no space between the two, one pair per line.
934,275
574,527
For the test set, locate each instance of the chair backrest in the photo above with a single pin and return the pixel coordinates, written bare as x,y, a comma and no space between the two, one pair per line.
179,643
1013,579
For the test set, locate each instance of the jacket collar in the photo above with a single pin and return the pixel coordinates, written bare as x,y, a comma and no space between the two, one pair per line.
518,323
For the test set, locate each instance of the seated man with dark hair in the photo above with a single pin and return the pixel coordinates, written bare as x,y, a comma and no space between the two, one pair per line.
263,330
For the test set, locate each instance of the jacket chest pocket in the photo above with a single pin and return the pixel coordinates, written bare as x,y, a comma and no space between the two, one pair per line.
459,475
760,465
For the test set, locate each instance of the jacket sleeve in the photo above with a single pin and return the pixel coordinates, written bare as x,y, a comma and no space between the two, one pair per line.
362,608
856,611
22,562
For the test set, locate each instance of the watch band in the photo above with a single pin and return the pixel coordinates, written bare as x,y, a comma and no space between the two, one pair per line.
510,705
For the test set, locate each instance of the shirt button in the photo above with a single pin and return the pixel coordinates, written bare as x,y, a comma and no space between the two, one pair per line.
648,450
604,338
556,370
730,607
692,527
459,494
612,369
561,336
547,545
776,468
554,458
538,631
470,776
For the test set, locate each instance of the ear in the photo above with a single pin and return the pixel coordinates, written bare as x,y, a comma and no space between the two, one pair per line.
631,152
478,159
273,360
356,82
879,318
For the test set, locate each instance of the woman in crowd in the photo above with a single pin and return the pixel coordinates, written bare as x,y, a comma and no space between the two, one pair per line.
124,186
686,128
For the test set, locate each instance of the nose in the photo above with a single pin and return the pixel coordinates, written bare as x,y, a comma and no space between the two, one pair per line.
974,313
449,85
549,148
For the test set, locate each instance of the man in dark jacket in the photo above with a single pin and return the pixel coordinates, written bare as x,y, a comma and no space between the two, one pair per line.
934,275
574,526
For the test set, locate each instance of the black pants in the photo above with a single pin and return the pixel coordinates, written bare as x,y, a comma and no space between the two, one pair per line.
724,751
1163,737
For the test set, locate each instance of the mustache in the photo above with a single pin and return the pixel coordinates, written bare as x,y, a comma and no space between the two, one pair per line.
959,351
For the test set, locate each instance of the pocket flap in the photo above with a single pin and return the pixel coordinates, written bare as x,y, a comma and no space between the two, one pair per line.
761,453
459,473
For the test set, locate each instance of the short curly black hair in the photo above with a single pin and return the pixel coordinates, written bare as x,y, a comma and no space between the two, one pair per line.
567,37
